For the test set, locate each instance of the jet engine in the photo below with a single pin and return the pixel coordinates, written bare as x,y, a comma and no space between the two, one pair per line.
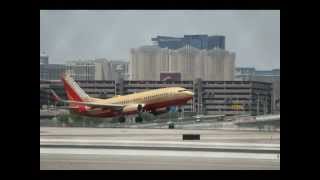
133,108
83,108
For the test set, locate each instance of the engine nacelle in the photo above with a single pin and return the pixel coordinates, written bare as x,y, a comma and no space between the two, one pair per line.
83,108
133,108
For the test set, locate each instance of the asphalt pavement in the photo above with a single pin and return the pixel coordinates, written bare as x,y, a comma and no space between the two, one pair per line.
163,149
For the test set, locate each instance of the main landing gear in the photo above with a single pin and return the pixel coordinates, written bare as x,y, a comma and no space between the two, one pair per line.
139,119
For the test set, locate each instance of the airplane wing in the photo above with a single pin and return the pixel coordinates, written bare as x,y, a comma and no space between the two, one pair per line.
67,107
87,103
97,105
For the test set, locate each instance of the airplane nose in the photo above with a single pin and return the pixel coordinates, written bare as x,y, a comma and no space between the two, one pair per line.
189,93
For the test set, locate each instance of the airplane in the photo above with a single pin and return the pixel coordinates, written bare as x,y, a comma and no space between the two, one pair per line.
155,101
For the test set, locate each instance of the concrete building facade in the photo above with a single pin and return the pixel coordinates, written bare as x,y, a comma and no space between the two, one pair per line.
270,76
147,62
98,69
44,58
119,70
87,69
51,71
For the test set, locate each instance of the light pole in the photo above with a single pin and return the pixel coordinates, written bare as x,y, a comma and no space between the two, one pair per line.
265,105
182,114
48,101
258,104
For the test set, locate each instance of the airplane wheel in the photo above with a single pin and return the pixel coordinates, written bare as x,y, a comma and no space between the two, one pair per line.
139,107
122,119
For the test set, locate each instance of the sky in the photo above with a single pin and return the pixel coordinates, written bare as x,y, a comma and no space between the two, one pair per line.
253,35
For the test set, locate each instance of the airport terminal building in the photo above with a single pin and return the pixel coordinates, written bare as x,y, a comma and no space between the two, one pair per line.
211,97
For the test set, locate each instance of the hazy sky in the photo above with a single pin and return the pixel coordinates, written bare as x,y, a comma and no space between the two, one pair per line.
69,35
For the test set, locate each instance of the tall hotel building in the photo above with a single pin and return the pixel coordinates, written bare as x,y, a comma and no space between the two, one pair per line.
194,56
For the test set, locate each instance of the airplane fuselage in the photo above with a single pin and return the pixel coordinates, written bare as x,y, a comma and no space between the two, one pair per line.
151,100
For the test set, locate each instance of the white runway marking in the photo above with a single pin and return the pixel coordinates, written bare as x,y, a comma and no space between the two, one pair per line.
160,142
157,153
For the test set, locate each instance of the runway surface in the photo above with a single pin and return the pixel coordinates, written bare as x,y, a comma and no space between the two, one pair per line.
95,148
233,136
84,159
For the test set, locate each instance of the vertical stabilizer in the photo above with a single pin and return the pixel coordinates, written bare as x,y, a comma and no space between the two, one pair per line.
73,90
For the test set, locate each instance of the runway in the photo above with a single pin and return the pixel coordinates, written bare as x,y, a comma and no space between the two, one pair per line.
163,149
232,136
93,159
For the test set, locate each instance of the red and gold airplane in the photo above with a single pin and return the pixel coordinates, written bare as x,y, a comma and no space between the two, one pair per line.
155,101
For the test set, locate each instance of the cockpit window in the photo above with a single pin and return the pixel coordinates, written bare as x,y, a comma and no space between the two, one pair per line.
182,90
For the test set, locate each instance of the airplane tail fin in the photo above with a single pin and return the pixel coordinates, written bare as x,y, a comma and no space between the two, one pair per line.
73,90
